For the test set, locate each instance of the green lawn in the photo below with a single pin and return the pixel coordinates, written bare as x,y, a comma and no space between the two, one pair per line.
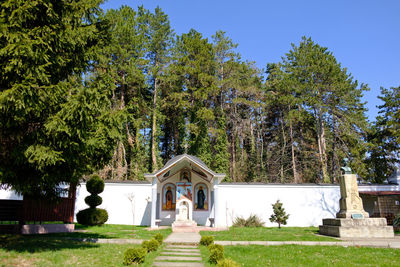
52,251
112,231
269,234
292,255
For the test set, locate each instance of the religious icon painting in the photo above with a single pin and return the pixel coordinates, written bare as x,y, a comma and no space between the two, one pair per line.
184,190
168,198
185,175
201,197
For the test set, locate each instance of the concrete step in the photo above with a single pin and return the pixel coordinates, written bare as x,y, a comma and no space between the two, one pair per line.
166,253
178,264
177,258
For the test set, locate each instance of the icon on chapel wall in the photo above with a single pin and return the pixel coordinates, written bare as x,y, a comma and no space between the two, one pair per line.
201,197
169,197
184,190
185,175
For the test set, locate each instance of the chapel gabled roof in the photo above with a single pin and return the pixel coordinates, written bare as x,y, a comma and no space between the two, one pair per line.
184,157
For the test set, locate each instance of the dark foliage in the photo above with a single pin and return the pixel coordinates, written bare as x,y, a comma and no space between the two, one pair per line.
92,216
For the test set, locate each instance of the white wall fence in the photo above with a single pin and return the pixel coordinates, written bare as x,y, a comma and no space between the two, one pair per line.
307,204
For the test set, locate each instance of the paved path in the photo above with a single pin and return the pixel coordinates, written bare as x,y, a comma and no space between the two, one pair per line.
179,255
194,239
183,238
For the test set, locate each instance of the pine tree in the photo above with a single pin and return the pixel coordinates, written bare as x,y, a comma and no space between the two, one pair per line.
384,137
279,216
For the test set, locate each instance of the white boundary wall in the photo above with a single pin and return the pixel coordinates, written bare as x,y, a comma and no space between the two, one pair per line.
307,204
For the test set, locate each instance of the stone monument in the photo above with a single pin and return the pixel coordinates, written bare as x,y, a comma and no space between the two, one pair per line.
352,221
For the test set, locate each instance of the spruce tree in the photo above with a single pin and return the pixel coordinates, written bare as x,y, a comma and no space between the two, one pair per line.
54,127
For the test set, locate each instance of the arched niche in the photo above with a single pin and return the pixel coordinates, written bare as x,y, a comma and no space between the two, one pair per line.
184,210
169,197
201,197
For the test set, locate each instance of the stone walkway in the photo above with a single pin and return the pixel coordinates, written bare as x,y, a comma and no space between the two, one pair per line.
179,255
183,238
194,239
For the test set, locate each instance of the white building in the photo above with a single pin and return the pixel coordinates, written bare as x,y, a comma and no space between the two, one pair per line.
183,177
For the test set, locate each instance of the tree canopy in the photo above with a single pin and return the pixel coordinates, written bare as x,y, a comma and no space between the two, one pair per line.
119,93
54,127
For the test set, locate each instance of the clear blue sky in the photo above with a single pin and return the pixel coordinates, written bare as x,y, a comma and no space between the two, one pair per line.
364,35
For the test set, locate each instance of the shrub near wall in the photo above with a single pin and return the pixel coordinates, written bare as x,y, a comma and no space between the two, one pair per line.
92,215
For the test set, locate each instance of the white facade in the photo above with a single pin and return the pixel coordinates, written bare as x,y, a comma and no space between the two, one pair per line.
306,204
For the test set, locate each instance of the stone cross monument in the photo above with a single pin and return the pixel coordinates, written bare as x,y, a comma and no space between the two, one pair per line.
352,221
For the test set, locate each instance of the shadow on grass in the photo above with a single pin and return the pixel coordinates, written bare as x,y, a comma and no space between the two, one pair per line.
36,243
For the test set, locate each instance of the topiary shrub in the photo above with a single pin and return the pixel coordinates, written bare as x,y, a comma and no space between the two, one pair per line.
227,263
93,201
216,253
206,240
93,216
134,256
159,237
150,245
95,185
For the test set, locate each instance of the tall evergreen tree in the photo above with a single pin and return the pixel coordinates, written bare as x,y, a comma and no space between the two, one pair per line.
331,96
53,127
384,137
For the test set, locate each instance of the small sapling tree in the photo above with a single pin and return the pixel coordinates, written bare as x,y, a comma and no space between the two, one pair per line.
279,216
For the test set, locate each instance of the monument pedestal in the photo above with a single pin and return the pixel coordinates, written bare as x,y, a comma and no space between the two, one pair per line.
352,221
356,228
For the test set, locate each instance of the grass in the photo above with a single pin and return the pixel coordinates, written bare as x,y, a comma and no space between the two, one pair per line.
110,231
39,250
312,256
269,234
293,255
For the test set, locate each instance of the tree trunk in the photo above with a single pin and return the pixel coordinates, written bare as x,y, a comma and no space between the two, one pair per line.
322,146
153,129
295,174
283,150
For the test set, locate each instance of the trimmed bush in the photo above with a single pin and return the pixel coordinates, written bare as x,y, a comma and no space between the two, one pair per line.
216,255
95,185
206,240
159,237
215,246
227,263
93,201
134,256
150,245
92,216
